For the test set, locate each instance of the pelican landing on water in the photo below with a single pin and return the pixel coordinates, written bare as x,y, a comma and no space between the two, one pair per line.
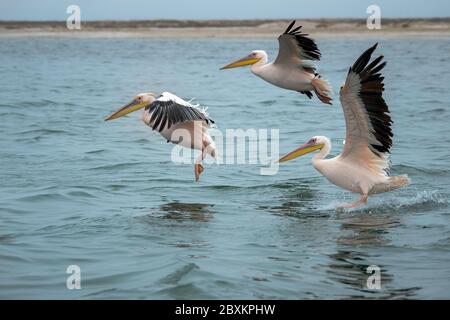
363,165
168,113
293,69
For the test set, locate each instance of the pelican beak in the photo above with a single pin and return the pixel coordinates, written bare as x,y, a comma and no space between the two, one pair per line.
248,60
300,151
132,106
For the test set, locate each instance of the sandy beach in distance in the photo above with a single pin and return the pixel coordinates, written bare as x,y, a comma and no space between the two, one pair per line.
226,28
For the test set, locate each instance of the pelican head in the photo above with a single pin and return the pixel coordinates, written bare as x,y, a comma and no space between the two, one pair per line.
313,144
252,58
139,101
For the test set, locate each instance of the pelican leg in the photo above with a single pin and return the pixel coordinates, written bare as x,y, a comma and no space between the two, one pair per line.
361,201
198,168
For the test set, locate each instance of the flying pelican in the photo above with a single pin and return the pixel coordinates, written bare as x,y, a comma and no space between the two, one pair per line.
293,69
363,165
175,118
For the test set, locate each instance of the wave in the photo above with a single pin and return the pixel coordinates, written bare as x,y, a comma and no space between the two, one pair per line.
15,258
175,276
13,210
405,169
116,166
43,196
95,151
43,131
224,187
267,102
81,194
39,103
285,184
13,114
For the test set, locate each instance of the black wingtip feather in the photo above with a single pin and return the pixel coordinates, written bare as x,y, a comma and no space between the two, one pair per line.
375,62
289,27
371,94
307,44
296,29
363,59
168,113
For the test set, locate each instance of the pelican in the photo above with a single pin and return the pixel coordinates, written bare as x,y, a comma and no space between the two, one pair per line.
293,69
178,121
363,165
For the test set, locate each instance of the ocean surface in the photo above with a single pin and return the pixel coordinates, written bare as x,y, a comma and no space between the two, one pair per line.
106,197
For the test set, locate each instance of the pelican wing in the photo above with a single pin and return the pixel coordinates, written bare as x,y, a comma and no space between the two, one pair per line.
295,48
169,110
369,134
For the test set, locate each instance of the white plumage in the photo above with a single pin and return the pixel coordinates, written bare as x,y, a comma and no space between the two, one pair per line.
177,120
293,68
363,165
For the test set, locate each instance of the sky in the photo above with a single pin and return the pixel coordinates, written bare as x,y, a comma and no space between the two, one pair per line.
218,9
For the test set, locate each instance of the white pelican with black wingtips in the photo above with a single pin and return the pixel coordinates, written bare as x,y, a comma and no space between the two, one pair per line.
178,121
293,69
363,165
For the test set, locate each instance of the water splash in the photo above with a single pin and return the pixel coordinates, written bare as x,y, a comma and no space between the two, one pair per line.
422,200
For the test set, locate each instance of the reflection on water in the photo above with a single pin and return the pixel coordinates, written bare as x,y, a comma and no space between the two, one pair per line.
179,211
297,199
349,268
179,222
366,228
349,264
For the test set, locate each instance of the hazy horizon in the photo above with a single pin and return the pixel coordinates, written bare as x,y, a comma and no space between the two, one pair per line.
55,10
225,19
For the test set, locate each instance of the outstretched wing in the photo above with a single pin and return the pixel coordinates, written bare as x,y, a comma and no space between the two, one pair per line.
367,117
295,48
169,110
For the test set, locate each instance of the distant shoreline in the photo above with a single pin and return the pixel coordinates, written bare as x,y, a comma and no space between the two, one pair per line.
227,28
